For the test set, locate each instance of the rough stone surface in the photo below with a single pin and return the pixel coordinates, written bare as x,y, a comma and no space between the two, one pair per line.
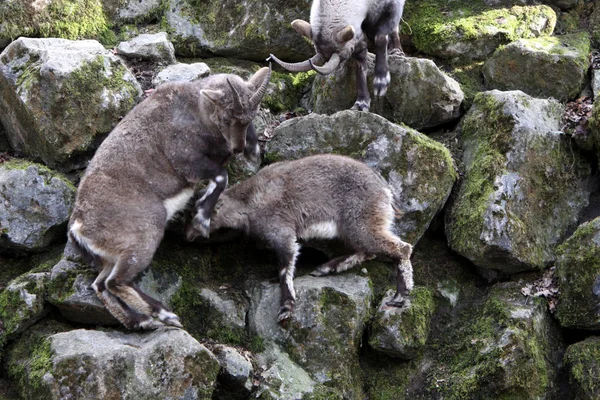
578,271
59,98
90,364
542,67
181,72
35,204
582,361
402,332
420,171
150,47
524,184
134,11
472,30
236,373
249,31
420,94
596,83
325,329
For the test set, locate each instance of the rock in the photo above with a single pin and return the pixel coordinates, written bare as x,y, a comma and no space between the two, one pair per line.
53,19
582,363
578,272
464,31
22,304
166,363
148,47
35,204
494,344
541,67
596,83
4,145
402,332
181,72
133,11
420,95
420,171
250,31
524,184
59,98
325,330
562,4
236,373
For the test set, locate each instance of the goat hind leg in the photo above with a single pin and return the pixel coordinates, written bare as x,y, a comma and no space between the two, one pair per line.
287,250
339,264
363,99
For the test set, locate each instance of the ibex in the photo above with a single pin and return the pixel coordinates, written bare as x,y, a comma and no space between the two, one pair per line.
339,30
147,169
321,196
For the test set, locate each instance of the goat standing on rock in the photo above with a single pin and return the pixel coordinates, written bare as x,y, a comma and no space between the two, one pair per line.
325,197
147,169
339,30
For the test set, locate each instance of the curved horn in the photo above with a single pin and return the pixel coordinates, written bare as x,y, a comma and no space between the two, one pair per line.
237,101
300,66
329,66
260,92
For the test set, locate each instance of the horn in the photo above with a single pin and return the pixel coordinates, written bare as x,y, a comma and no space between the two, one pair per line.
260,92
329,66
237,101
300,66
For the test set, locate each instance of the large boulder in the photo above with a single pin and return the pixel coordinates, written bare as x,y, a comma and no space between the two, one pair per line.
111,364
35,204
181,72
420,94
578,271
149,47
582,361
472,30
133,11
420,171
524,184
325,330
84,19
249,31
59,98
542,67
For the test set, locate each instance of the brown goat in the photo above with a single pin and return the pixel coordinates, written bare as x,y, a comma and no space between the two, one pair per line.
322,196
147,170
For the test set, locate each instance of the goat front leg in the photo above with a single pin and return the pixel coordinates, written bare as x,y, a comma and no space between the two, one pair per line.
252,150
382,78
206,204
287,249
363,99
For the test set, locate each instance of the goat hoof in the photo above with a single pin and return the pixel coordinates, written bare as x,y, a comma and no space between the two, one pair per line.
321,272
361,105
381,84
150,325
397,52
201,226
284,317
169,318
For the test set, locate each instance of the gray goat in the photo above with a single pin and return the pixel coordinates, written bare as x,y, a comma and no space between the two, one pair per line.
147,170
322,196
339,30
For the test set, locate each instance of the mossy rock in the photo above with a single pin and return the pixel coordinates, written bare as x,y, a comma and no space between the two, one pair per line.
523,185
420,171
594,123
68,19
472,30
60,98
249,31
470,78
554,66
420,94
578,271
583,362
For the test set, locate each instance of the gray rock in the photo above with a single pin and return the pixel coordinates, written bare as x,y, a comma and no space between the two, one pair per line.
250,31
581,360
35,204
166,363
325,330
232,314
59,98
420,95
524,183
543,67
4,145
562,4
596,83
137,11
402,332
150,47
420,171
181,72
236,372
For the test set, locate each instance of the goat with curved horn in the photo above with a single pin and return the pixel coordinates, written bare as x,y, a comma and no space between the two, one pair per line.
339,30
262,88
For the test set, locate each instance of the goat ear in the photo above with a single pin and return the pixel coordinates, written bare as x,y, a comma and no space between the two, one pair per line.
345,34
215,96
259,77
302,27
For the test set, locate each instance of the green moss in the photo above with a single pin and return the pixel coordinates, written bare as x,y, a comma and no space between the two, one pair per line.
44,171
583,361
36,361
470,79
290,88
435,24
68,19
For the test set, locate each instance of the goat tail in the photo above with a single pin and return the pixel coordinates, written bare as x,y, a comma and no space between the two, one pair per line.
84,251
